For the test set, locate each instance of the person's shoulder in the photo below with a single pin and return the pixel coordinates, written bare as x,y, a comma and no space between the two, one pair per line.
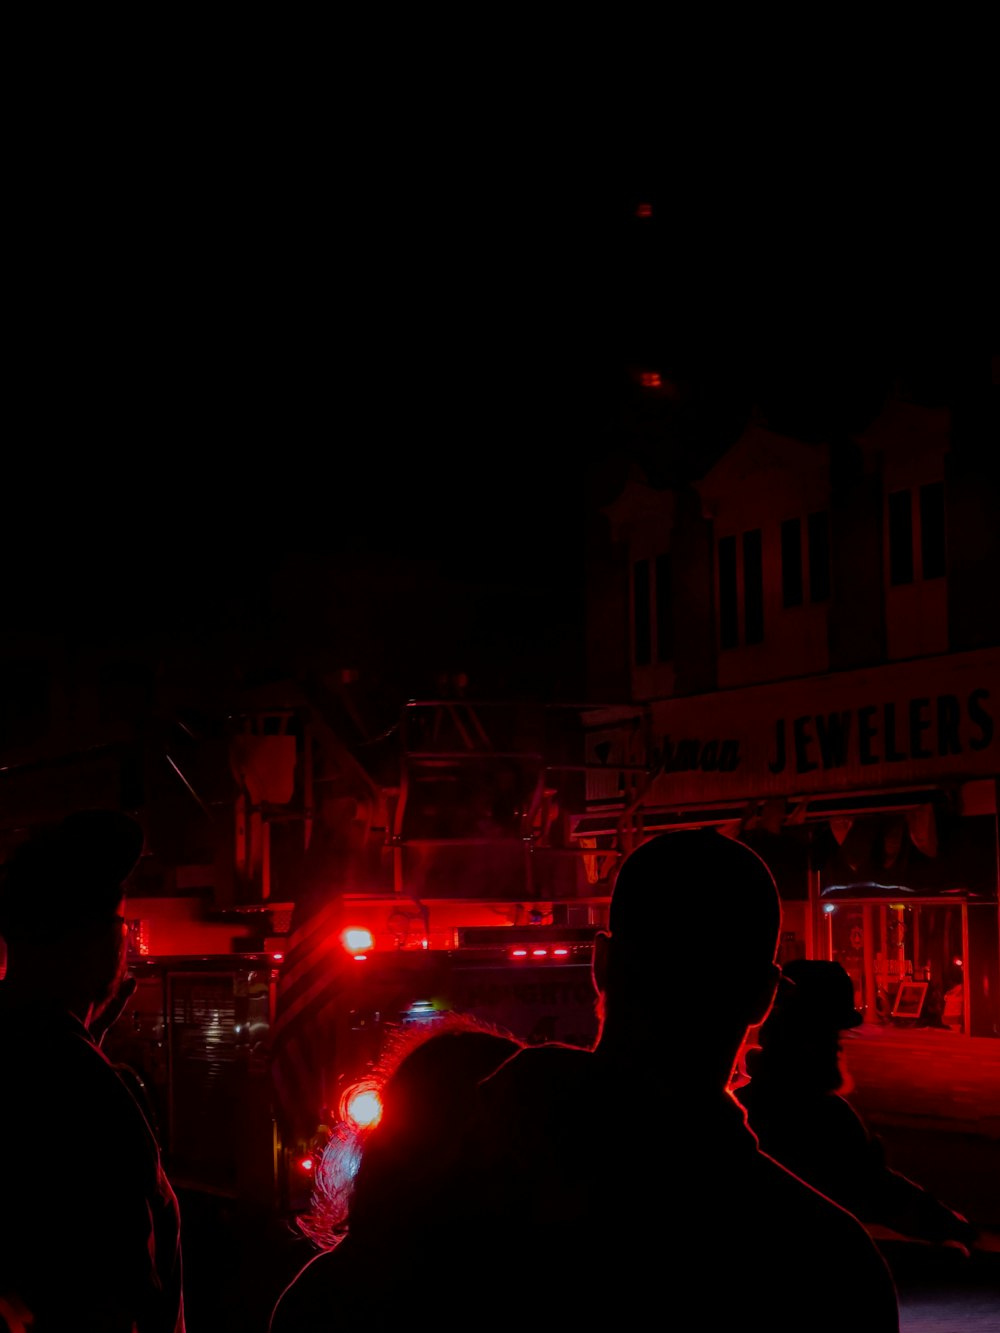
46,1053
810,1232
538,1095
354,1283
547,1068
544,1059
311,1295
795,1201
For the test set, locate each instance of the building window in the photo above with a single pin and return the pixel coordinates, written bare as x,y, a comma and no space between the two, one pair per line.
916,534
641,627
900,538
753,587
932,530
741,570
728,595
816,559
791,562
664,610
818,530
652,611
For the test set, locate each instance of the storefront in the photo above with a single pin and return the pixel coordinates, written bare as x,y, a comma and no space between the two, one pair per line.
873,794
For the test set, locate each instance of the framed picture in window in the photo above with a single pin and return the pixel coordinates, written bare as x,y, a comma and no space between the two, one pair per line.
910,999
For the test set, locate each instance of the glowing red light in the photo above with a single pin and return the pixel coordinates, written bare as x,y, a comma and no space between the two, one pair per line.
650,379
306,1164
560,953
361,1105
277,957
539,953
518,953
361,958
644,211
958,962
356,939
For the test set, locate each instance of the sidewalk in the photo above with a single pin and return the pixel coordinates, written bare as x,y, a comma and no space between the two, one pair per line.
929,1077
933,1097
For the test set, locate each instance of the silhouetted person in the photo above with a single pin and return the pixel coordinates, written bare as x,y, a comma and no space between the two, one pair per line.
90,1225
379,1226
795,1105
621,1185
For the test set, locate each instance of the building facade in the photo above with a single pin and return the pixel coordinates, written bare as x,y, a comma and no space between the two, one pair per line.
811,636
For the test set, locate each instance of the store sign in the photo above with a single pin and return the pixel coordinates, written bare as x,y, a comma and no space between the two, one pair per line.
906,723
890,733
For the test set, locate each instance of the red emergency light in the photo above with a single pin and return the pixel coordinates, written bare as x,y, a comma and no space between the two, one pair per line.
357,939
541,951
361,1104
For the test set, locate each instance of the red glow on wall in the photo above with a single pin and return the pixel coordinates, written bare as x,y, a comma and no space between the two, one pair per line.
650,379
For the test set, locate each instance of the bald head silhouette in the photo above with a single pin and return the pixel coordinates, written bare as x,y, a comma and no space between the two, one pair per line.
689,954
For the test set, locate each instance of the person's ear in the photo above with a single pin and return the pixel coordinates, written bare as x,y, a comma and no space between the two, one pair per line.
599,962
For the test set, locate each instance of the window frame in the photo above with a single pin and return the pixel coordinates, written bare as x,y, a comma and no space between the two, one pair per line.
652,610
741,601
912,524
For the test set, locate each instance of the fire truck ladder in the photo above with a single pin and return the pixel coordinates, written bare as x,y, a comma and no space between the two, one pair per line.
464,740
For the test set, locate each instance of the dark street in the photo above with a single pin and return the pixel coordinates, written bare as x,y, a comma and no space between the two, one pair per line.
933,1097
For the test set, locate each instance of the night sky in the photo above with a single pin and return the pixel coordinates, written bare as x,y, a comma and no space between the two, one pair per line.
256,360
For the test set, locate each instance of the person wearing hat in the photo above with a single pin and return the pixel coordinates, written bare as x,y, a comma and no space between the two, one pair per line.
616,1184
796,1105
91,1225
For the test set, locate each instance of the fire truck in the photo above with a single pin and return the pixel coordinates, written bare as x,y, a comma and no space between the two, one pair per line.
455,886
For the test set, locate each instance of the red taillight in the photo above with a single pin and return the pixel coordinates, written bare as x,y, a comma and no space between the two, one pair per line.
559,951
